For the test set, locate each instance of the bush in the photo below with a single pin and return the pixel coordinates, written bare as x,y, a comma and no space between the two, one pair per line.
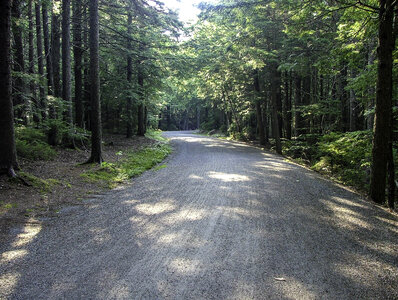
31,144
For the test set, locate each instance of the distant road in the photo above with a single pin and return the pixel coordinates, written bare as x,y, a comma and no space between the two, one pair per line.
222,221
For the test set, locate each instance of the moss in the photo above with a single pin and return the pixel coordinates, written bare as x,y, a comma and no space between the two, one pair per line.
44,185
110,175
157,168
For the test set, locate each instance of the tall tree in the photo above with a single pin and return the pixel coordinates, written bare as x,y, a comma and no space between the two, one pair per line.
66,61
47,48
78,56
55,49
96,131
8,157
19,64
129,127
383,125
40,65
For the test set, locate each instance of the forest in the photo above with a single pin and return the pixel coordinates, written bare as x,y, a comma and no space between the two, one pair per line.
310,80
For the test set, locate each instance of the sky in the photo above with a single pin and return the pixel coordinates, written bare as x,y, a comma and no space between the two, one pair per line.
187,10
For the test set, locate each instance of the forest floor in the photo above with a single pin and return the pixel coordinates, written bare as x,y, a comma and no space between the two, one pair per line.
58,181
221,220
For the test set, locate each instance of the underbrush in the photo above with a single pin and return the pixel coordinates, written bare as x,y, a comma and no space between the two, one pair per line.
344,156
112,174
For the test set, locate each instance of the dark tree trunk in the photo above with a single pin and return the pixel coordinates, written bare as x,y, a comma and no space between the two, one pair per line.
275,98
66,64
86,74
129,127
344,103
141,117
8,157
40,66
78,55
32,85
298,106
56,54
19,65
382,126
96,134
47,50
288,106
259,113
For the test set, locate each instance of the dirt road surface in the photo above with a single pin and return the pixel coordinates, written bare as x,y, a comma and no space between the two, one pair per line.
222,221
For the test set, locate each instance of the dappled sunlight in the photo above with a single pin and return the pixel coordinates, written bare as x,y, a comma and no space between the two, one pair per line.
355,267
100,235
347,218
132,201
28,234
226,177
193,176
184,265
349,202
294,288
241,212
184,215
8,283
9,256
155,208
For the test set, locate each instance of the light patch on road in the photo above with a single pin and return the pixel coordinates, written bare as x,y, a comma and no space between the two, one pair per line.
226,177
28,234
9,256
155,208
184,265
8,282
193,176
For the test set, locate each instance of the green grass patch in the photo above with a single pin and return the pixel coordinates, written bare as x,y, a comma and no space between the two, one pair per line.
155,135
43,185
110,175
31,144
157,168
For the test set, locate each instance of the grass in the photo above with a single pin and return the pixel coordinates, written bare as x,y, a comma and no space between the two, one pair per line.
112,174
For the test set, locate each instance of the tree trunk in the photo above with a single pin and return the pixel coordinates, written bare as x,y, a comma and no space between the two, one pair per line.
298,103
19,65
129,127
288,105
259,113
66,65
382,126
96,134
32,84
140,111
78,55
47,50
8,157
56,54
40,66
275,97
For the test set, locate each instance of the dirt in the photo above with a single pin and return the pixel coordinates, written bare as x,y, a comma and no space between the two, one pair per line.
19,201
222,220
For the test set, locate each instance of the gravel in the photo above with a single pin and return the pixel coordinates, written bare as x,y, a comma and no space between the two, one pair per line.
223,220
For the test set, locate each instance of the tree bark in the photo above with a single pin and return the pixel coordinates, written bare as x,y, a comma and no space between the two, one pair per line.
140,111
129,127
47,50
382,125
32,84
78,56
259,113
19,64
275,97
40,66
96,130
8,157
298,103
66,61
56,54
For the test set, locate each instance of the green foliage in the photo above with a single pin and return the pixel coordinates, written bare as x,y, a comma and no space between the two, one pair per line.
135,164
155,135
44,185
31,144
59,133
345,156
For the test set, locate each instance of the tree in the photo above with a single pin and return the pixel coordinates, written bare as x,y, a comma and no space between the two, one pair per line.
78,56
40,65
8,157
66,60
96,131
383,124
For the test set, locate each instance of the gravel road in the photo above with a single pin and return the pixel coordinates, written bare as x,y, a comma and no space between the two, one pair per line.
223,220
